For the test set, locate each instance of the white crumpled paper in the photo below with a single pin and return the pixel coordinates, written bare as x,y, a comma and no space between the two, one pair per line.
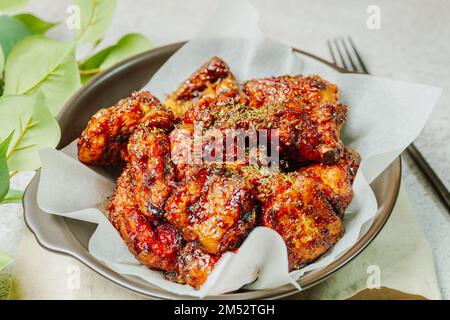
385,116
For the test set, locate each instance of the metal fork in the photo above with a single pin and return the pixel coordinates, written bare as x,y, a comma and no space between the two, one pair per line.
346,56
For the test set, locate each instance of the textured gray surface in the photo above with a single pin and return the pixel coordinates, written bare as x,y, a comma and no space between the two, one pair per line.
411,45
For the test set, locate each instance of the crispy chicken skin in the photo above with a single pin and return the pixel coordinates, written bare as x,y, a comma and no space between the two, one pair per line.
306,134
335,181
105,138
311,115
306,207
304,218
210,80
313,135
292,91
182,151
194,266
155,245
188,161
152,169
215,209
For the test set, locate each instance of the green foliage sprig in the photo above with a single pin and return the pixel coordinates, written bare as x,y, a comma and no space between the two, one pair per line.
39,74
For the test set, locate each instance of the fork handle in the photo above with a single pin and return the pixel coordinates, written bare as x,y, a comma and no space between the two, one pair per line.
438,186
431,177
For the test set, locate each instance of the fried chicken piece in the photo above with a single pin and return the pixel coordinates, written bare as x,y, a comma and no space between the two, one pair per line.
210,80
194,266
105,138
306,134
155,244
310,115
292,91
182,151
313,135
335,181
210,110
212,151
306,207
152,169
304,218
217,210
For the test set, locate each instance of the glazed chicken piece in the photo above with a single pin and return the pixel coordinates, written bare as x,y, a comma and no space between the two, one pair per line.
210,80
210,110
194,266
310,115
155,244
182,151
212,152
217,210
335,181
104,141
313,135
292,91
151,168
305,134
306,207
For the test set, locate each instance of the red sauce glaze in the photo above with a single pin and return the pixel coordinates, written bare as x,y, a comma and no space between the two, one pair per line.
179,215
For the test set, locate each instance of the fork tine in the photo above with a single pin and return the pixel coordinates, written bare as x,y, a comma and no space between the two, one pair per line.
330,48
361,63
349,56
341,57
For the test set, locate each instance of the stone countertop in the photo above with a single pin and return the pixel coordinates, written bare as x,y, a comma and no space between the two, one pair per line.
412,44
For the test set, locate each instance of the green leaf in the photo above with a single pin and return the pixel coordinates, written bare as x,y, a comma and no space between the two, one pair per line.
39,63
34,128
126,47
96,16
4,171
91,66
12,5
13,196
96,60
35,25
12,30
